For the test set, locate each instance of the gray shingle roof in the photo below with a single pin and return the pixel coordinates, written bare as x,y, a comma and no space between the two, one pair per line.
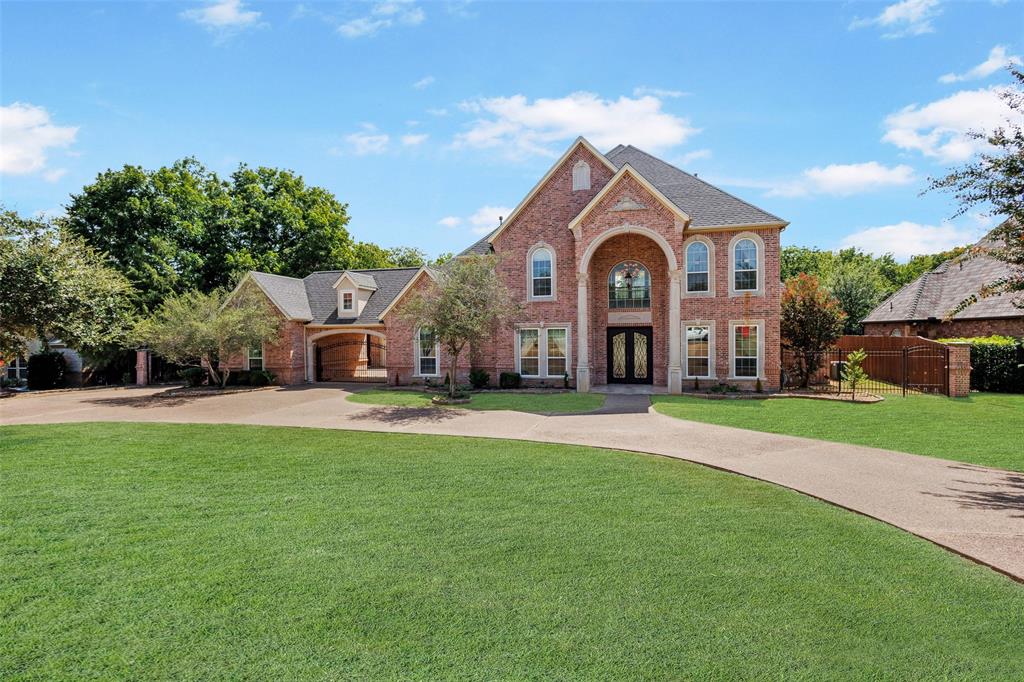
362,279
481,247
323,299
936,293
707,205
287,292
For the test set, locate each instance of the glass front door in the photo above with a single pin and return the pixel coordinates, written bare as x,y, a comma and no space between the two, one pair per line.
630,355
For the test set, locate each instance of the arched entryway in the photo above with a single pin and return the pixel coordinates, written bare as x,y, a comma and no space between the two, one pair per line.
358,355
628,311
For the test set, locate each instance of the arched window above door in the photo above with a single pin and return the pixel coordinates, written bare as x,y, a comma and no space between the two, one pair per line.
629,286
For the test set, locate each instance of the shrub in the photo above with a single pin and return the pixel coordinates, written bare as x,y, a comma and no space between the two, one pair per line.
478,378
239,378
510,380
565,380
995,363
193,376
853,372
45,370
261,377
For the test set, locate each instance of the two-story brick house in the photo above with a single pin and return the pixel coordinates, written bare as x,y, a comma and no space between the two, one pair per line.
629,269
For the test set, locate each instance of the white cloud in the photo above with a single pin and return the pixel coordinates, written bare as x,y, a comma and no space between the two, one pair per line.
696,155
26,135
906,239
938,129
997,59
837,179
55,174
906,18
450,221
414,140
521,128
368,141
486,218
437,112
223,16
383,15
424,82
643,90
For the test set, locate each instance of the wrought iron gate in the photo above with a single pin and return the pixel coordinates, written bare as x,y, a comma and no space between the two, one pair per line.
894,365
354,357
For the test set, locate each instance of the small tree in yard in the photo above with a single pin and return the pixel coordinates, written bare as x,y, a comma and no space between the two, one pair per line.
464,304
812,320
853,371
196,328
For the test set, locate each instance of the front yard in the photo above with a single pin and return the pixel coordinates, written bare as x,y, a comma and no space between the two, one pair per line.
986,428
160,551
539,403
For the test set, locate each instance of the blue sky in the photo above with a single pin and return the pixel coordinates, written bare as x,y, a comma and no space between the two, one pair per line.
430,119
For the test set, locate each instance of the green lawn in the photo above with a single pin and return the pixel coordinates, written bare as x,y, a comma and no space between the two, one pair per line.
986,428
159,551
539,403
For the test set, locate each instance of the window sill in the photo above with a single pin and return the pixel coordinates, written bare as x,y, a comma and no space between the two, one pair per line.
540,299
752,292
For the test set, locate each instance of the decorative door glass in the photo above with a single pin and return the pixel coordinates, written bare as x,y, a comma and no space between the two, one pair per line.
639,355
619,356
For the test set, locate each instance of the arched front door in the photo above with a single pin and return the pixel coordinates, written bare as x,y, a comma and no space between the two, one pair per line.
630,355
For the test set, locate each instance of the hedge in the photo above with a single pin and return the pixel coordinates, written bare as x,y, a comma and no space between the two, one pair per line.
45,370
995,363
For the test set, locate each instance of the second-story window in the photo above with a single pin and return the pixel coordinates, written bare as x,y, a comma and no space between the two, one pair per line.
346,300
697,267
629,286
745,265
541,274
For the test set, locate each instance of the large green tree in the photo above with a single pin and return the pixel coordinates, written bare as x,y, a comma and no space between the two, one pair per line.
858,287
995,180
812,320
56,285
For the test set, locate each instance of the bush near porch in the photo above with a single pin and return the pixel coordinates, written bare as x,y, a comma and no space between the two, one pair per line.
984,428
534,402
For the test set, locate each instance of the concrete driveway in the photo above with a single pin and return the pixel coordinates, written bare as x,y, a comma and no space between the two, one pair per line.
975,511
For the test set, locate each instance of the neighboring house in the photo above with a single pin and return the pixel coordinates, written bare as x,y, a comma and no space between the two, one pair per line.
921,307
630,271
72,362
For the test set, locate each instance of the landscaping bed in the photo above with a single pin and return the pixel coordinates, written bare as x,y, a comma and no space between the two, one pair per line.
537,401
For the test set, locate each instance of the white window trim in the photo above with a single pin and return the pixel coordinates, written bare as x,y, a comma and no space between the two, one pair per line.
341,301
553,296
580,176
710,324
710,293
20,367
759,243
542,341
417,357
263,354
760,349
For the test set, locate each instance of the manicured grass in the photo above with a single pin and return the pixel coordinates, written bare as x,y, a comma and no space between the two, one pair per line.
159,551
538,403
986,428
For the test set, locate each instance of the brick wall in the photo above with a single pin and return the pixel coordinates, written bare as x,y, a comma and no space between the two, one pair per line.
959,370
1006,326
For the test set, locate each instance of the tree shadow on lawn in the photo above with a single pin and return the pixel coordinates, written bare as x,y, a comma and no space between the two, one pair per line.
1006,494
174,397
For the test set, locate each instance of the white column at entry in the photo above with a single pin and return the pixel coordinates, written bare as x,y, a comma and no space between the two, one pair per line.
582,333
675,367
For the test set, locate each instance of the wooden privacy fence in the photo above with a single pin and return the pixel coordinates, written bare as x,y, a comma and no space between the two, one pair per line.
894,364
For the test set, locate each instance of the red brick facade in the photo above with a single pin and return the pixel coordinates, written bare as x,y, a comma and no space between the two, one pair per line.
961,328
631,222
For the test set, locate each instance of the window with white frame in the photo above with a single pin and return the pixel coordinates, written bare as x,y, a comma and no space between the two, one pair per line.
541,273
347,301
426,353
580,176
697,267
745,265
698,351
543,351
17,369
256,357
745,351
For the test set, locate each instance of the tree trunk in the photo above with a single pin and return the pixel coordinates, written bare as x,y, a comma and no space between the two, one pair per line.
210,372
453,356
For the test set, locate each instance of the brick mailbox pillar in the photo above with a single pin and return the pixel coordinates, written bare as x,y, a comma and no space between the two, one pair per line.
141,367
959,370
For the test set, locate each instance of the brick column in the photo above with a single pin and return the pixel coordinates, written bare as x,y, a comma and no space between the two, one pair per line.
582,333
959,370
141,367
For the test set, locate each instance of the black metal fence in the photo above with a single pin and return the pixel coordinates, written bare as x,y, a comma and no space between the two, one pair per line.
911,369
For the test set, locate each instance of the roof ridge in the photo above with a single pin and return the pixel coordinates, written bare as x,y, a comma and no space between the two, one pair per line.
921,281
704,182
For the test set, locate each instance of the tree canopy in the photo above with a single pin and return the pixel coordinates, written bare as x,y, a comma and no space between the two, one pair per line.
812,320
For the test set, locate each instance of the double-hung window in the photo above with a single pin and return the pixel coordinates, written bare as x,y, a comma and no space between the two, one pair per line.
745,265
347,301
543,351
698,351
426,353
256,357
541,274
697,267
745,351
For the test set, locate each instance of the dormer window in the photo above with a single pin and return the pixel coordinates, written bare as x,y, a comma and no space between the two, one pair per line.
580,176
347,301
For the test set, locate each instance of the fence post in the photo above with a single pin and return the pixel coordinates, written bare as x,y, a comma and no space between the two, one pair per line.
903,379
141,367
958,370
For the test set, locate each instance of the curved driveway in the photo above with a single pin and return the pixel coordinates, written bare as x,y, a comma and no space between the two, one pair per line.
975,511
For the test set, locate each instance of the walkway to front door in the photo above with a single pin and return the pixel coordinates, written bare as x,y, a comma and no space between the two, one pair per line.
630,355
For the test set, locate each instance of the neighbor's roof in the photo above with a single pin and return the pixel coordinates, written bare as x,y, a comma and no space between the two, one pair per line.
936,293
707,205
323,298
287,293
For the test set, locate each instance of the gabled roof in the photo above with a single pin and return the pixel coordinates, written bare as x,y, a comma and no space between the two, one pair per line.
936,293
628,170
707,205
362,280
481,247
287,293
323,298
